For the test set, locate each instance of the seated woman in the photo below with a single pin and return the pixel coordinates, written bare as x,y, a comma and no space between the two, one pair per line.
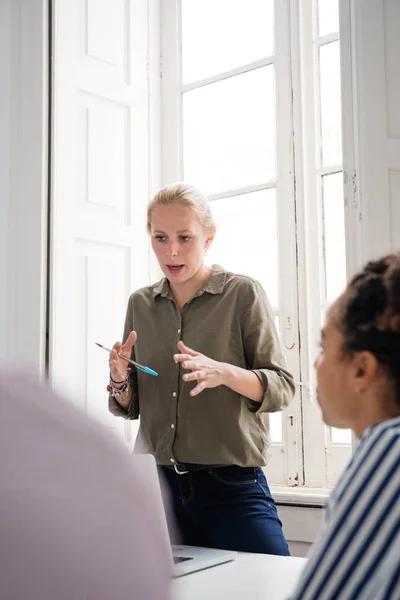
358,552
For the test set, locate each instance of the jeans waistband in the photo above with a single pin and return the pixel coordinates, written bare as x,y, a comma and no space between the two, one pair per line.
182,468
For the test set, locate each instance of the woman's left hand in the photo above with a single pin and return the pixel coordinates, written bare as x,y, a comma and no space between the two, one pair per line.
207,372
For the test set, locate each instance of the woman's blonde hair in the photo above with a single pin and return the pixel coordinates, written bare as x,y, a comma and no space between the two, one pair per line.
185,195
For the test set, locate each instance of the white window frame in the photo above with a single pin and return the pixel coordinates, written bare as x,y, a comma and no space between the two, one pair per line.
305,457
285,465
323,460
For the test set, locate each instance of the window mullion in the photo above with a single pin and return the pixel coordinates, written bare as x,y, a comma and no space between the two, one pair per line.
291,418
244,190
308,218
264,62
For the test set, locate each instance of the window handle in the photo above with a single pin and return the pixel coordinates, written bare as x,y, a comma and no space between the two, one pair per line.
288,335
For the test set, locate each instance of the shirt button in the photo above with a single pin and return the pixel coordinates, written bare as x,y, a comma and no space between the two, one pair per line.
172,426
174,394
172,460
179,330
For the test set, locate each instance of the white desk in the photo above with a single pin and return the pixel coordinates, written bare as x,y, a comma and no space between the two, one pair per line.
249,577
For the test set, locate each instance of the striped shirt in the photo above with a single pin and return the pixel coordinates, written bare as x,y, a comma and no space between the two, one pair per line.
357,554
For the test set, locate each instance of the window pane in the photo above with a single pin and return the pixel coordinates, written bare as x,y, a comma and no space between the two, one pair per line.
331,113
334,235
246,240
340,436
229,132
275,427
219,35
328,16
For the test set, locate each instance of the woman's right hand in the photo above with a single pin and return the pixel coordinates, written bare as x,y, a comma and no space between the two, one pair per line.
119,366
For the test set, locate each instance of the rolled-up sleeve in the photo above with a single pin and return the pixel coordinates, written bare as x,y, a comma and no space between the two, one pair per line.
263,353
132,412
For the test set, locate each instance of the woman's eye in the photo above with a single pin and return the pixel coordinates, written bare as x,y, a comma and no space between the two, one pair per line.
160,238
184,238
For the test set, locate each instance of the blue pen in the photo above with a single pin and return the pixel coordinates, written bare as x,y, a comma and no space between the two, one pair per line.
129,360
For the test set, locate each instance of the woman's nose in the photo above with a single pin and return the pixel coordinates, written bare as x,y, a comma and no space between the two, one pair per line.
173,249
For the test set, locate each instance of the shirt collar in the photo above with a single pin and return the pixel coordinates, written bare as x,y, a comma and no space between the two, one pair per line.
214,285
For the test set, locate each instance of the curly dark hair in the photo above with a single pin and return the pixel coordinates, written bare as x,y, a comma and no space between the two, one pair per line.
369,317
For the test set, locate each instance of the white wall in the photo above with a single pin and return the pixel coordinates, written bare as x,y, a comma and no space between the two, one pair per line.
301,526
23,179
375,49
5,133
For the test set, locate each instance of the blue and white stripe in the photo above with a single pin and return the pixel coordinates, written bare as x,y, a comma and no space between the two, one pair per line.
357,556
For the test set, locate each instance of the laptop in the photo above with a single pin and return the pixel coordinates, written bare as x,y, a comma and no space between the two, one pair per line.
184,559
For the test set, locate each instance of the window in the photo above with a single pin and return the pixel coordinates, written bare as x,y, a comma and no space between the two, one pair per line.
326,252
233,114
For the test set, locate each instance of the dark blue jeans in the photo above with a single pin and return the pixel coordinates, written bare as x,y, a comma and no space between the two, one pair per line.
226,507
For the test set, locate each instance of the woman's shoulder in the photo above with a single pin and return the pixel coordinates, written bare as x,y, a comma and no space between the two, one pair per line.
147,293
243,284
387,432
378,446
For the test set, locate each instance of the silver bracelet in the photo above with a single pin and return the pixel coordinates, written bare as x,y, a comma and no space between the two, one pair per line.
118,391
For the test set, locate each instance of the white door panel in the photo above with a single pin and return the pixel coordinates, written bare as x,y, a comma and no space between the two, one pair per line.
99,188
377,75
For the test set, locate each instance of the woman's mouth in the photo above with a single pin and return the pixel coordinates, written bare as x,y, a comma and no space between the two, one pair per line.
175,268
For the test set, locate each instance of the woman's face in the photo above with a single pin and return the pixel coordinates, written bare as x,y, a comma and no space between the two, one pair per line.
336,376
179,242
353,390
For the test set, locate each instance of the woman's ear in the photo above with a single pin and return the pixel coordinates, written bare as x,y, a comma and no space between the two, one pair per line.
366,368
210,236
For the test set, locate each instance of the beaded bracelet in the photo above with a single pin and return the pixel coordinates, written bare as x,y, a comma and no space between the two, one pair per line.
113,380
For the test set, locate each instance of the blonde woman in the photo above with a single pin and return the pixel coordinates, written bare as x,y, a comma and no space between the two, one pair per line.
211,337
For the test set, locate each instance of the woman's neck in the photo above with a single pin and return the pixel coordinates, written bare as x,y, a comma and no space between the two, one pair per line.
185,291
374,414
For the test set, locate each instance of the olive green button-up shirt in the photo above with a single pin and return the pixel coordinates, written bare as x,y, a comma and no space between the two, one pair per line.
230,320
